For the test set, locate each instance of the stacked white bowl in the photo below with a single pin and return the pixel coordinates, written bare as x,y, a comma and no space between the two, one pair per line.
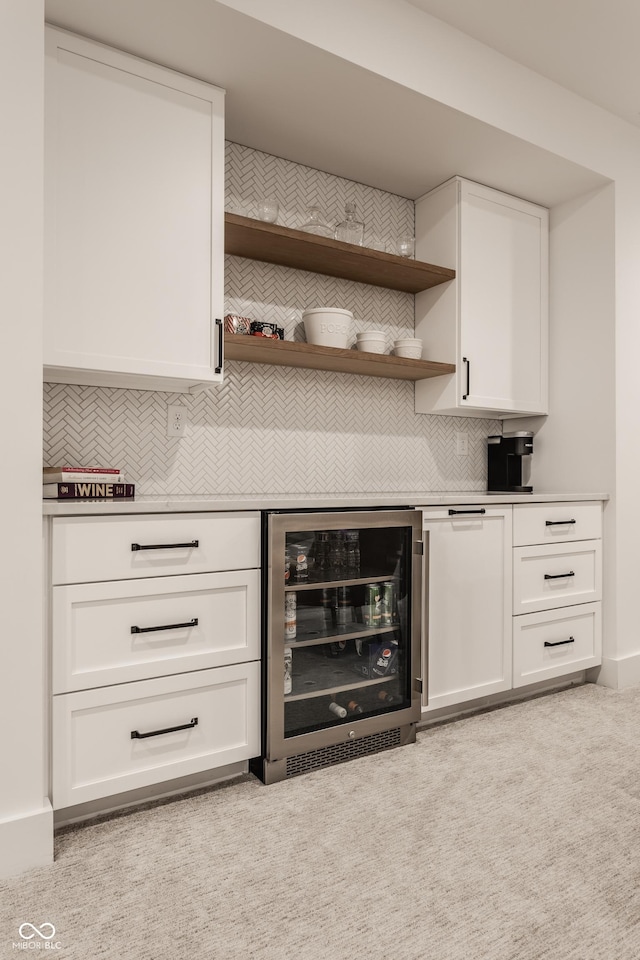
371,341
408,347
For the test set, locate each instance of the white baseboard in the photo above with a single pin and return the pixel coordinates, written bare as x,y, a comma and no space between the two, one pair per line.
617,674
26,841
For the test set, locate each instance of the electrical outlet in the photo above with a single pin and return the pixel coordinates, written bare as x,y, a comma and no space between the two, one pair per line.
177,420
462,444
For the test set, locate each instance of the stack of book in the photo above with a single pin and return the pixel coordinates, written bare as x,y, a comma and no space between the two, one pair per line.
85,483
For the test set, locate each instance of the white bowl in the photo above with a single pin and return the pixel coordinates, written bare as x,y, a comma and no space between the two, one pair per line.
409,348
409,353
371,344
327,326
371,335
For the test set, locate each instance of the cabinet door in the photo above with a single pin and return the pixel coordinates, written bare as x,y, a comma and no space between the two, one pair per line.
467,613
503,301
134,221
492,320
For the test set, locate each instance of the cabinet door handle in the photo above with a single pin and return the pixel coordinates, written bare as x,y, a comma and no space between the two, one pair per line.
165,626
558,576
163,546
453,513
135,735
468,363
218,369
558,523
559,643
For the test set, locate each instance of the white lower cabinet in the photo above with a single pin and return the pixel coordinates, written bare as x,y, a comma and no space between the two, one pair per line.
467,629
545,577
513,597
119,738
155,649
554,642
557,589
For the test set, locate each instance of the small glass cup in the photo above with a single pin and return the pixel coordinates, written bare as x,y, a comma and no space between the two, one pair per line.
405,246
267,209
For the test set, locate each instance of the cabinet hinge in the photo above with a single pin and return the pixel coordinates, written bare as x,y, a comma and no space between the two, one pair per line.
418,547
419,684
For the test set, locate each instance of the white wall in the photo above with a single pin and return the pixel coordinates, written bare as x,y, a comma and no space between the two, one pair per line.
26,836
405,45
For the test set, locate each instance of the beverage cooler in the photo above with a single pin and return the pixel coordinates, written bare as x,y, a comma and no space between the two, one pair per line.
341,637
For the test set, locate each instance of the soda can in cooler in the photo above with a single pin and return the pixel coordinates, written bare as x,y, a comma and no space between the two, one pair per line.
371,611
387,600
290,617
288,668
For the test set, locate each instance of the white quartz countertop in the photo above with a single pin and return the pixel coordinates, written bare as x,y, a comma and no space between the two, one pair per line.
172,503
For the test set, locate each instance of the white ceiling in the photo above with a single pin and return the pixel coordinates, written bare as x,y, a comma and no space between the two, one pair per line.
587,46
336,116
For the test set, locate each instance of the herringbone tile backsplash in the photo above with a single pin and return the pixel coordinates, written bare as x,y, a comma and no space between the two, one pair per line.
273,429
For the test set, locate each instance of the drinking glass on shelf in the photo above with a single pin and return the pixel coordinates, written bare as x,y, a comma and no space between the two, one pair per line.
315,223
267,209
405,246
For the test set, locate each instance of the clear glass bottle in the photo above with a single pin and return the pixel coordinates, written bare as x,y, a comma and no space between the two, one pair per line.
321,570
337,554
353,553
315,223
350,230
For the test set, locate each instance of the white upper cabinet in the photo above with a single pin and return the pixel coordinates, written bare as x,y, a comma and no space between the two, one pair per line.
492,320
134,221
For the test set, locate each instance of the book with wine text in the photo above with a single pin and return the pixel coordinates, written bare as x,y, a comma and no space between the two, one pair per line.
90,490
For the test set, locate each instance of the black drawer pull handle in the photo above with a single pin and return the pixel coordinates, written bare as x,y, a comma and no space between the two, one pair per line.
558,576
453,513
165,626
135,735
559,643
558,523
163,546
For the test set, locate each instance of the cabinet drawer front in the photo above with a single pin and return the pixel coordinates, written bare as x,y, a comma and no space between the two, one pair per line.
95,755
550,644
86,549
547,577
114,632
464,514
555,522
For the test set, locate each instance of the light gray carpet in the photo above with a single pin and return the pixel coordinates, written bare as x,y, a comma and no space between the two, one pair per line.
512,835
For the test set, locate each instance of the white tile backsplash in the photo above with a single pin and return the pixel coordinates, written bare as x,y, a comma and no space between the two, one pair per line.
276,429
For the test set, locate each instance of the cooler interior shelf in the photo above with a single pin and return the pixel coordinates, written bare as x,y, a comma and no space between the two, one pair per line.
288,353
317,676
257,240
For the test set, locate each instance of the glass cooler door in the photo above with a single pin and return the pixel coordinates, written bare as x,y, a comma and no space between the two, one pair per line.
342,631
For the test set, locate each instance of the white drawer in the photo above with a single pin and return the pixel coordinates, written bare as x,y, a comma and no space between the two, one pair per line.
545,577
119,631
86,549
553,643
95,755
462,514
556,522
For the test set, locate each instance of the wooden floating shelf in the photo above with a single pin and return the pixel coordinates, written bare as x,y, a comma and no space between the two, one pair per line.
288,353
257,240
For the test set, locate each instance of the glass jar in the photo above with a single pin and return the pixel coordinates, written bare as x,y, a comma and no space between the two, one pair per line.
315,223
350,230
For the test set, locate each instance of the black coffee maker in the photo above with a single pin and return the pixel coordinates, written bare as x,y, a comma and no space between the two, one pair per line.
505,461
